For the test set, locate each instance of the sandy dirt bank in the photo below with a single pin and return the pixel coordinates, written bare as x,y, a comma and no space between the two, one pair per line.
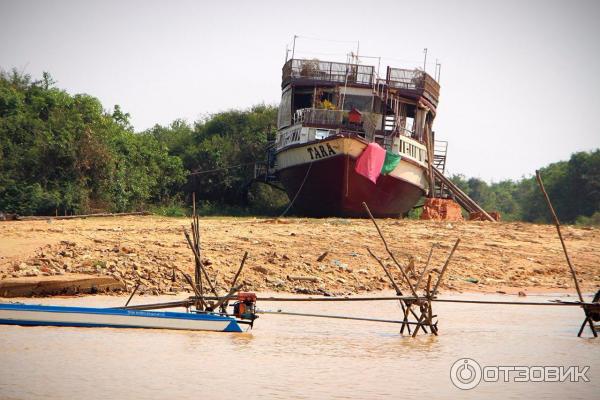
505,257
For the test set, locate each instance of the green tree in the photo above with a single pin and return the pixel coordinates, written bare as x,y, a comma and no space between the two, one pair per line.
64,154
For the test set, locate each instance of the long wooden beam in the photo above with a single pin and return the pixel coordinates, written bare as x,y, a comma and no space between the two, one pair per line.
396,288
538,176
411,298
391,321
99,215
441,276
158,306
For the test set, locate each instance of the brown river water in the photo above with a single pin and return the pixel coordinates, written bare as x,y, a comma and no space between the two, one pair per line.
288,357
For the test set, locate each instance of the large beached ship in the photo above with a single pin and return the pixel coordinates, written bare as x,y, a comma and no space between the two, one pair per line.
330,112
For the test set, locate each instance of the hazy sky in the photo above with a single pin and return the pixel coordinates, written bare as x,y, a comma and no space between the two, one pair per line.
520,80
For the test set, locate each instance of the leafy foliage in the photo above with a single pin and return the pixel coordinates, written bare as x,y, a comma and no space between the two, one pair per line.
573,187
220,151
64,154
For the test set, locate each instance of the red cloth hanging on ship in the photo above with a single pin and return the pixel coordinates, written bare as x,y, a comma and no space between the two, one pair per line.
371,160
354,116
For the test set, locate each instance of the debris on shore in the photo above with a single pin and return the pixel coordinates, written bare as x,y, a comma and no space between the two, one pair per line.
509,257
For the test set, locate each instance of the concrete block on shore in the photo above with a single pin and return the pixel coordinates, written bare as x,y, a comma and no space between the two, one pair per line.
68,284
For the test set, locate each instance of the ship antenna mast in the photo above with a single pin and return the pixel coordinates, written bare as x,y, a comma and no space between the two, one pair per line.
349,60
294,46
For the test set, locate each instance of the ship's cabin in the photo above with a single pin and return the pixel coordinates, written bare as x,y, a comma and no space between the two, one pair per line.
323,98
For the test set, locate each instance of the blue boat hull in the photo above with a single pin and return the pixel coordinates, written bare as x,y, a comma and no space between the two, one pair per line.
38,315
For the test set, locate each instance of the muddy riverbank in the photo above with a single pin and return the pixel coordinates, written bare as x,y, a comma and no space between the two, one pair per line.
504,257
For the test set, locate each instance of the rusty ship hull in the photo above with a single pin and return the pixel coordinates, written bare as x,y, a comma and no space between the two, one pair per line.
321,180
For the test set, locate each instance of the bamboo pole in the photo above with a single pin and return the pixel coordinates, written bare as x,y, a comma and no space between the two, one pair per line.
538,176
225,300
412,289
437,284
189,280
419,324
192,300
237,274
406,308
200,302
157,306
184,303
429,310
234,280
133,293
424,311
411,298
197,257
42,218
333,316
196,235
514,303
396,288
425,269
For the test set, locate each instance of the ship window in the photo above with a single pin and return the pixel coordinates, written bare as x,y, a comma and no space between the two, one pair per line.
409,124
361,103
321,133
325,98
303,98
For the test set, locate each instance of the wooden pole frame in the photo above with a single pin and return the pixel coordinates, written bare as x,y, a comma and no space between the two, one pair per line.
586,310
425,318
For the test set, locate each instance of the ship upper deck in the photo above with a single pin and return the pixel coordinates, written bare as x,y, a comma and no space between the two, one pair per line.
411,83
309,71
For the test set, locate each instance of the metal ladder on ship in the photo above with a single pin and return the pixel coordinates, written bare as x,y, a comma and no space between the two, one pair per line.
440,150
445,188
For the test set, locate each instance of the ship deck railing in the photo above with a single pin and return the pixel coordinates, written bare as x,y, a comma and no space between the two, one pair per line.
327,71
414,81
409,82
333,119
317,116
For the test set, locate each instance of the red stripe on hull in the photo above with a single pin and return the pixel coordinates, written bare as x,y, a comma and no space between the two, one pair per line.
333,188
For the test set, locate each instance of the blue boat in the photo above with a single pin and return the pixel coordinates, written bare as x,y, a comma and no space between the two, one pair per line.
39,315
